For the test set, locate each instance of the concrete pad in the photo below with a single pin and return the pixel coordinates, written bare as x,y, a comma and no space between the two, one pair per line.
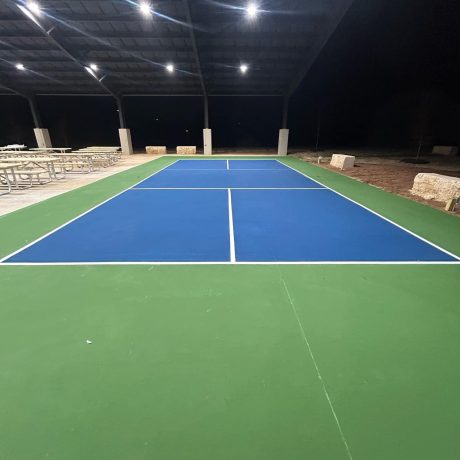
436,187
156,149
18,199
186,150
342,161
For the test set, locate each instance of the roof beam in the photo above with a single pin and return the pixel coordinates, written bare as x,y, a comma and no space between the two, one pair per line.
188,16
57,44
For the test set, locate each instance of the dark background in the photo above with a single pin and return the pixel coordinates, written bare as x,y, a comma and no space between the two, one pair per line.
389,75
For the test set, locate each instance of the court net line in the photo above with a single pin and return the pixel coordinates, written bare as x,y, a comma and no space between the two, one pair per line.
231,228
318,372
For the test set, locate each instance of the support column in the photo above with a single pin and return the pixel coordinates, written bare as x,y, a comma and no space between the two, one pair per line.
207,141
42,137
283,142
124,133
125,141
207,132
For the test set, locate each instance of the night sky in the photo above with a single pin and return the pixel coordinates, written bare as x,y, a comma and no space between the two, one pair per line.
389,74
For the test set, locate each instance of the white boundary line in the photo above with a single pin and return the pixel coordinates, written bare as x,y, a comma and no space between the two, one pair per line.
377,214
147,263
226,188
80,215
231,229
318,372
228,165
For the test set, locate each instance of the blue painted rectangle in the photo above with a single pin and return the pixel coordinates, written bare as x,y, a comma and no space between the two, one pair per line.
264,165
186,165
318,226
143,226
277,178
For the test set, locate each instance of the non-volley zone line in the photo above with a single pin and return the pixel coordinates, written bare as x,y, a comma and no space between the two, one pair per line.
217,220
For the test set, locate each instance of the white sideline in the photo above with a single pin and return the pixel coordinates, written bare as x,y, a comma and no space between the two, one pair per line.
275,262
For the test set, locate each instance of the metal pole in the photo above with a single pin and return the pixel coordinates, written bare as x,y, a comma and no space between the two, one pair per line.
35,112
318,131
206,112
121,115
285,112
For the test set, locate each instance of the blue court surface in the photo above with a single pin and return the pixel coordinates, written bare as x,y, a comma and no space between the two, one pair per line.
230,211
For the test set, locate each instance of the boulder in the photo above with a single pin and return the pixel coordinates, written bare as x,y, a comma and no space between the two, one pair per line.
436,187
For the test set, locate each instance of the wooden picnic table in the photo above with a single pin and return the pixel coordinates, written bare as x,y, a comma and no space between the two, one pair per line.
6,168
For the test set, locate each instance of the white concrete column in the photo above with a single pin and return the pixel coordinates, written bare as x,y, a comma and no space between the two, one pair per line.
283,142
42,136
207,141
125,141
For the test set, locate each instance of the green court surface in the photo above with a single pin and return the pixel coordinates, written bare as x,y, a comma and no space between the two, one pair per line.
218,362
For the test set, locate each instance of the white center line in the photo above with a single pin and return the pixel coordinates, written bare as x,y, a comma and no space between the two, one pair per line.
230,225
318,373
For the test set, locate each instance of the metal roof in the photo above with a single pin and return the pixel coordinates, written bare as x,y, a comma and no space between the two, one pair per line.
206,40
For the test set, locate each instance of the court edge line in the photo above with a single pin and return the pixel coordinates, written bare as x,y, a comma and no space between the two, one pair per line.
2,260
231,188
231,228
149,264
318,372
377,214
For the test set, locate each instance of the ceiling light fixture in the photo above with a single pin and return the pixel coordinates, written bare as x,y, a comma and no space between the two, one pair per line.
252,11
34,7
94,67
170,68
146,9
20,67
244,68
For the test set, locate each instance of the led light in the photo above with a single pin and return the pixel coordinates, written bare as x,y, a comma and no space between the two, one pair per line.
244,68
20,67
170,68
252,11
145,8
94,67
34,7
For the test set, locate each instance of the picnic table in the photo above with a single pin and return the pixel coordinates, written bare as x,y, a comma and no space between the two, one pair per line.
76,159
14,147
40,162
5,170
51,149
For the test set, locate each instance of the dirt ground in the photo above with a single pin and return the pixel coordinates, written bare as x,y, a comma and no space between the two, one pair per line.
390,173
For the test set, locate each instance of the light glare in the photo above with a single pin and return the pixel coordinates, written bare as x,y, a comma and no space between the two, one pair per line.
252,11
34,7
244,68
170,68
145,8
20,67
94,67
